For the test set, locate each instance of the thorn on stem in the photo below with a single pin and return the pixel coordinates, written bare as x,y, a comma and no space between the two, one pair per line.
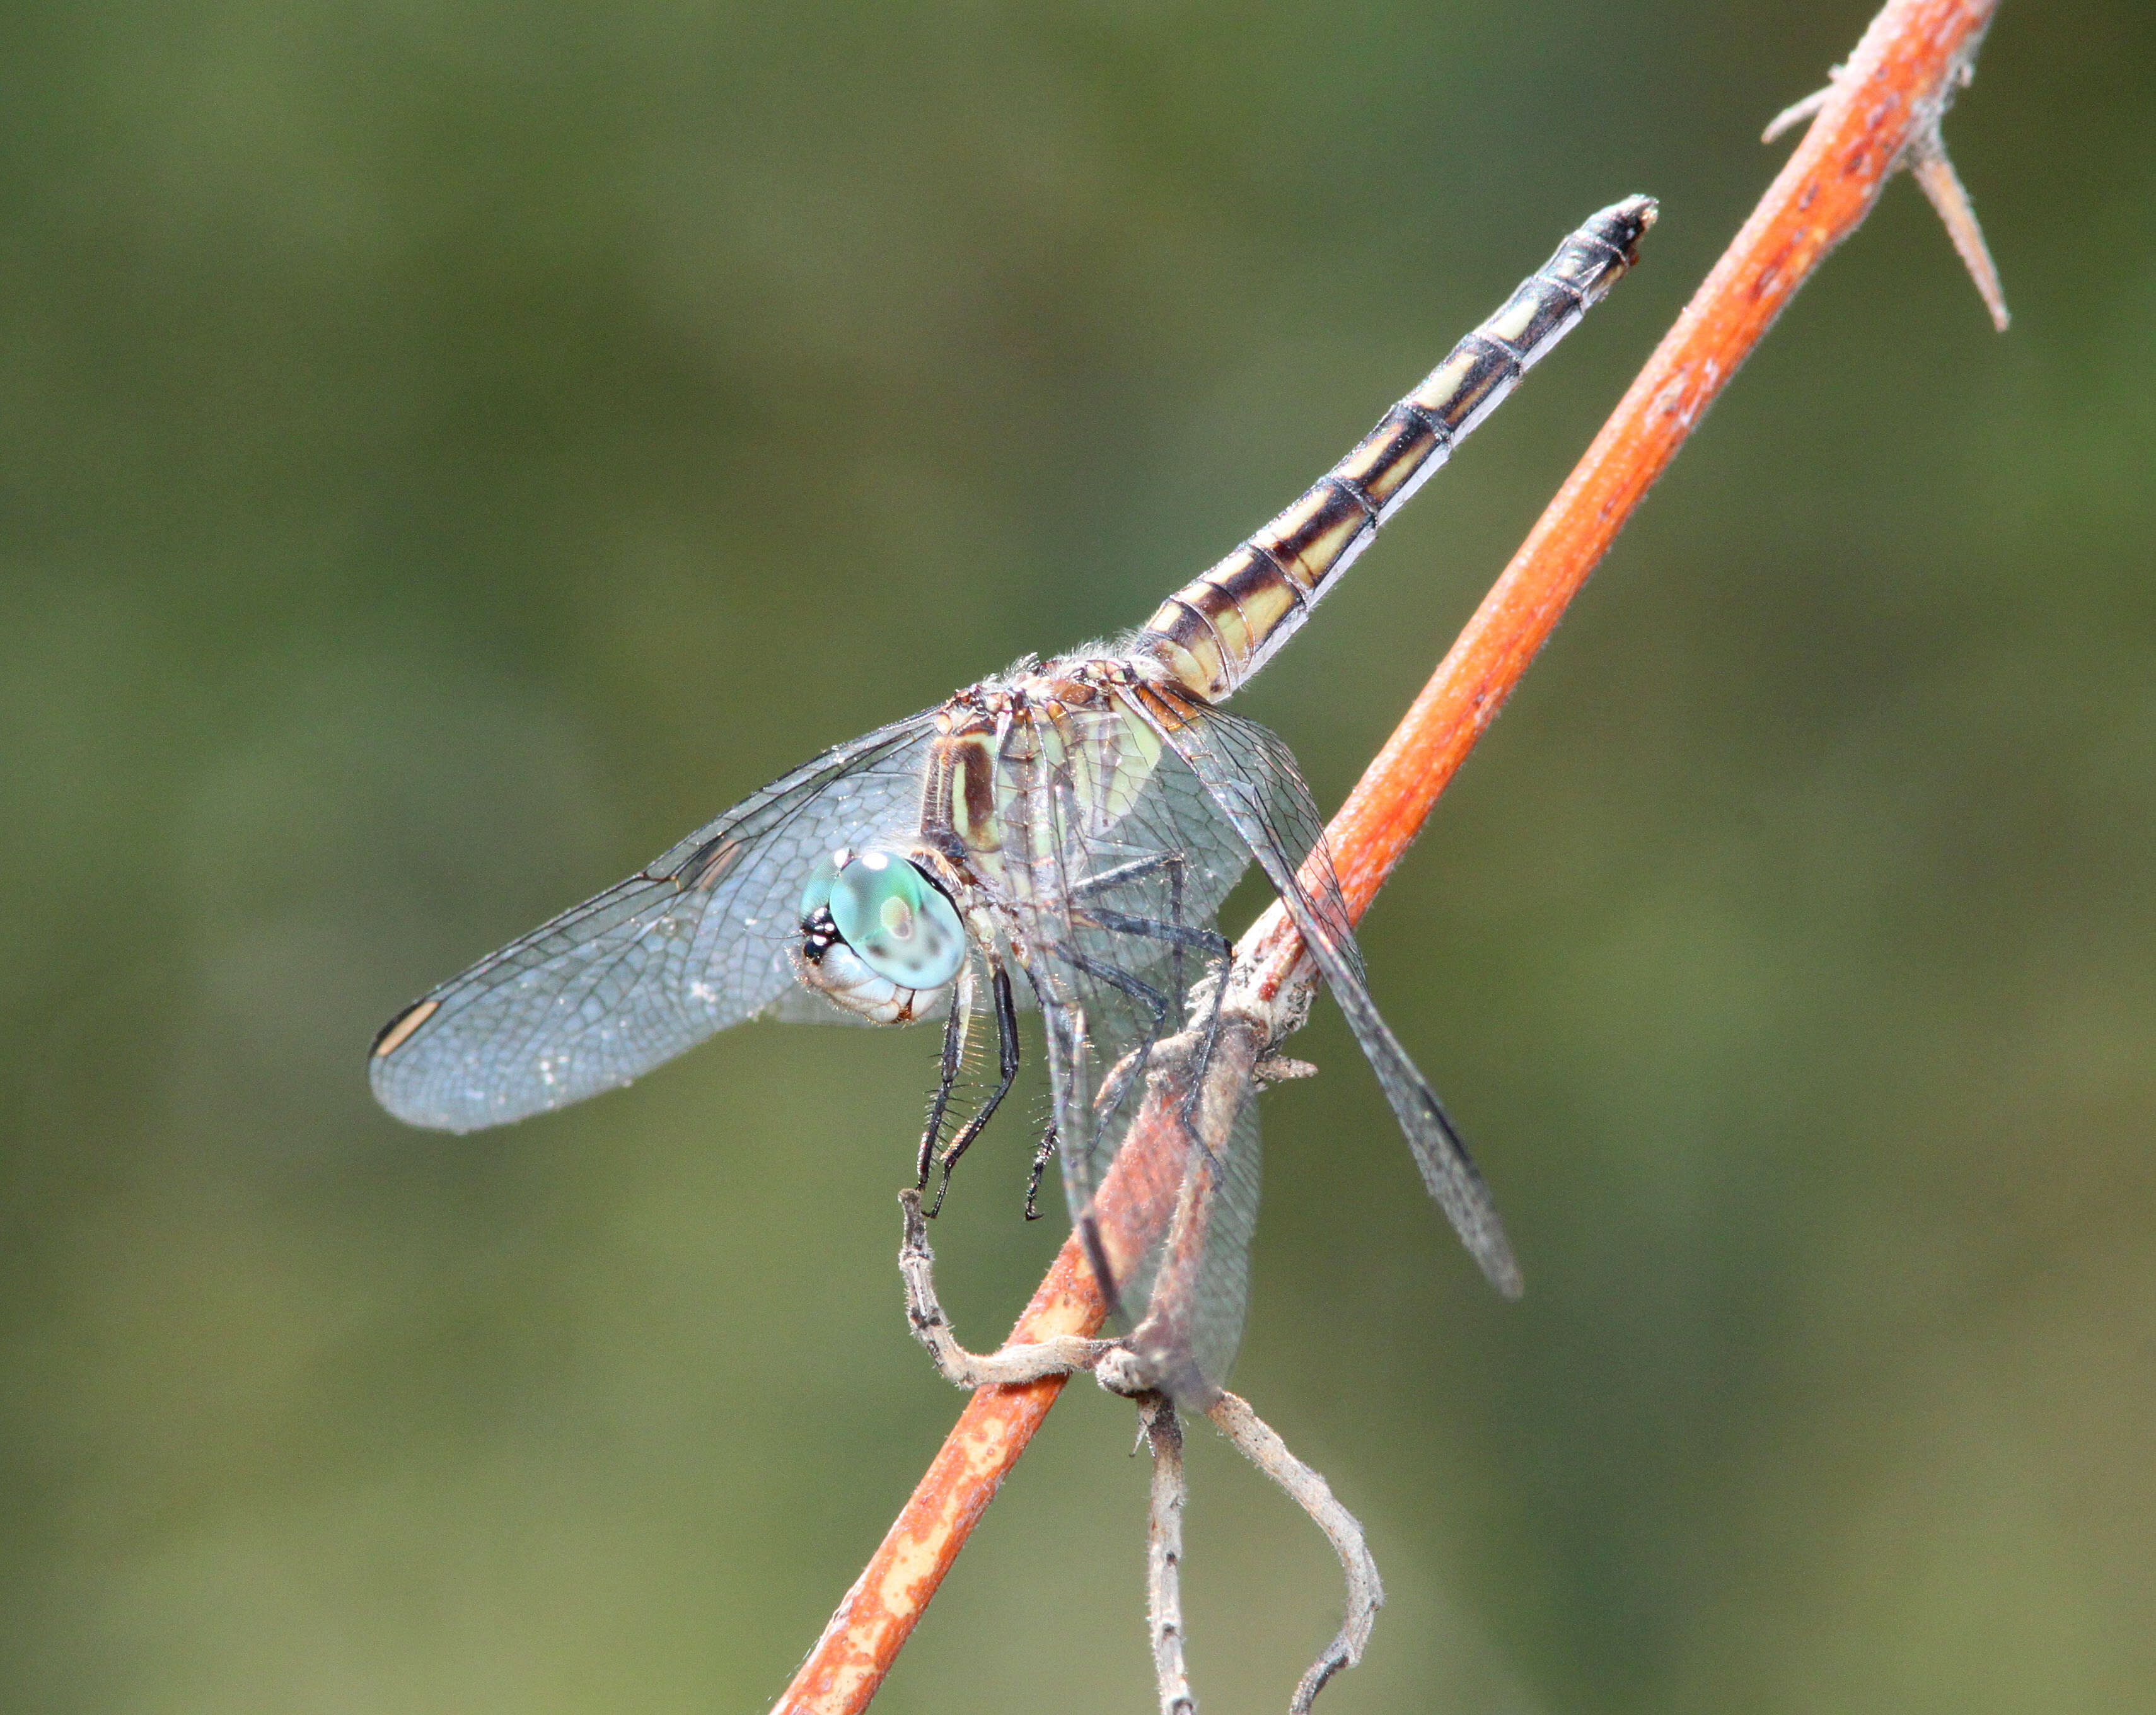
1795,114
1798,112
1935,175
1928,164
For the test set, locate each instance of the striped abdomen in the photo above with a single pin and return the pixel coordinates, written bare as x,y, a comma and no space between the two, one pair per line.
1217,631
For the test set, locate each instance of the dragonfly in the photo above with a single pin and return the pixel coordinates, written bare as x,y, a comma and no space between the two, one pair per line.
1057,840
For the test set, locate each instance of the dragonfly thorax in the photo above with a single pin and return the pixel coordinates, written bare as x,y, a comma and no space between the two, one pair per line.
879,934
1064,732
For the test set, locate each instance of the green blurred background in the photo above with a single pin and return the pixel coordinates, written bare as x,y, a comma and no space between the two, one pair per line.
448,450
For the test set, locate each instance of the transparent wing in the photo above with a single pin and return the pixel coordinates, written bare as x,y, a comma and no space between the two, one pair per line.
1251,775
694,943
1115,870
1196,1275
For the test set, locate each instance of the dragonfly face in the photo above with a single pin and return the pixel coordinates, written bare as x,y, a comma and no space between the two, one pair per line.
879,935
1078,822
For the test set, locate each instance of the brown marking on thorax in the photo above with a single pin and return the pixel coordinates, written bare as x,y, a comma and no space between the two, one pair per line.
957,791
988,740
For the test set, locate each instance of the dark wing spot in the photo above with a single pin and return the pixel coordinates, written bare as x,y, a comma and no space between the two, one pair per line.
399,1030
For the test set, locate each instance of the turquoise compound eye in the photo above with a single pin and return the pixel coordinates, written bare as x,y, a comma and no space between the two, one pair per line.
894,918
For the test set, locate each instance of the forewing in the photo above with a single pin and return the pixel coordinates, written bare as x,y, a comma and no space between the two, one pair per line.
1252,776
695,941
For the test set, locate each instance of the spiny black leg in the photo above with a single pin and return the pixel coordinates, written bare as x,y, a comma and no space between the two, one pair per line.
1137,870
954,1034
1007,1057
1041,1158
1115,977
1177,934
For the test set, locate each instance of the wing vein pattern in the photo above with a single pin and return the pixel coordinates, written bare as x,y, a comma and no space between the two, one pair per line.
696,941
1253,778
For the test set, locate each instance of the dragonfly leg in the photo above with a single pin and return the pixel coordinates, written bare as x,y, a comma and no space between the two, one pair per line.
924,1314
1007,1058
954,1051
1041,1157
1163,1434
1257,1442
1178,935
1174,864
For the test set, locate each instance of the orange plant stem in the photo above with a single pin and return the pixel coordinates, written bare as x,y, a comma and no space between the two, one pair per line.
879,1613
1894,88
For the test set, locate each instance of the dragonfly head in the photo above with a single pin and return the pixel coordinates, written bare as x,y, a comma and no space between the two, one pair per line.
877,936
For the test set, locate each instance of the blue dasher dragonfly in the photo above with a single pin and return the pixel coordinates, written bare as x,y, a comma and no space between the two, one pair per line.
1059,839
